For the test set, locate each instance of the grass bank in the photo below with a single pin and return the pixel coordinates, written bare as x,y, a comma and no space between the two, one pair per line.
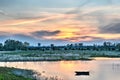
21,74
15,74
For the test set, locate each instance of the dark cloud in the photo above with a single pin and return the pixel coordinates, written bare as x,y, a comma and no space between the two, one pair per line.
22,36
91,37
31,39
7,35
111,28
38,35
35,41
45,33
83,38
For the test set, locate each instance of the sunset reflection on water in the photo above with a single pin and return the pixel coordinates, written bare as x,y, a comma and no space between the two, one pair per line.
99,69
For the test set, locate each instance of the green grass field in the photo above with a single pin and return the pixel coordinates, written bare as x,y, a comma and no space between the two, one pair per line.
7,74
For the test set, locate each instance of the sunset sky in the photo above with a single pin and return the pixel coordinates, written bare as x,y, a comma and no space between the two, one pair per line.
60,21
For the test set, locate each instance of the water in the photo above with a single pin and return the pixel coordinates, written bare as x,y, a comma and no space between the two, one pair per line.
99,69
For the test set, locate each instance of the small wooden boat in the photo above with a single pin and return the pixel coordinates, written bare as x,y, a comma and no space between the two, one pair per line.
82,73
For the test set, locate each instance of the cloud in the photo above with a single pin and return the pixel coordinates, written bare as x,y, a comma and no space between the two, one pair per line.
31,19
79,7
111,28
83,21
83,38
45,33
2,12
34,41
4,35
18,36
92,37
26,16
22,36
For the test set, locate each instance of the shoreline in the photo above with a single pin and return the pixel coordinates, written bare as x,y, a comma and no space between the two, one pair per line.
69,55
95,58
45,60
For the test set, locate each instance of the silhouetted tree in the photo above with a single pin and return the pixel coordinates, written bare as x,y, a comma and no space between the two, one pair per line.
9,45
1,46
15,45
26,44
118,46
52,46
39,44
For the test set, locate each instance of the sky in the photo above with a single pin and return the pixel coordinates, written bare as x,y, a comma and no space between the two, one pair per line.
60,21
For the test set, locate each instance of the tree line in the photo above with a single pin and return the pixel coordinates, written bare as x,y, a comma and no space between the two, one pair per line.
12,45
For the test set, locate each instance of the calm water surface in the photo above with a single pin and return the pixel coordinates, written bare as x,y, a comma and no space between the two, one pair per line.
99,69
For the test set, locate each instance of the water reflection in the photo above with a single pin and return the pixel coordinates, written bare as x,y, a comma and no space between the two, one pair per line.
99,69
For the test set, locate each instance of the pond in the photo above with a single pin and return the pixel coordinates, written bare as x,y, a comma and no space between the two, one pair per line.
100,69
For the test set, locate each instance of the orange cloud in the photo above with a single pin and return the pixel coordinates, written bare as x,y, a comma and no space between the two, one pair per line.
73,27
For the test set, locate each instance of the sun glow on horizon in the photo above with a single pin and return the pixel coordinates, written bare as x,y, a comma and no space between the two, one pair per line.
74,21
